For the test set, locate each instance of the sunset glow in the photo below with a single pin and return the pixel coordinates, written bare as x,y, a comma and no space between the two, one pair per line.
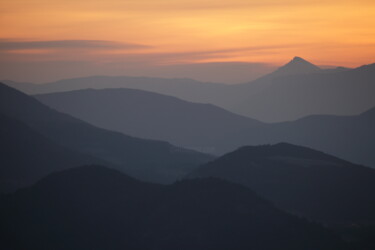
162,32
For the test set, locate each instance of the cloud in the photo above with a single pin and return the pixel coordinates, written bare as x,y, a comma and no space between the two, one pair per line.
198,56
6,45
104,52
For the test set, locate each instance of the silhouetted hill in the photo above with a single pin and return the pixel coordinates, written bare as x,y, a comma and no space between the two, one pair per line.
206,127
145,159
297,66
150,115
301,180
368,115
184,88
296,90
349,137
335,70
291,97
99,208
26,155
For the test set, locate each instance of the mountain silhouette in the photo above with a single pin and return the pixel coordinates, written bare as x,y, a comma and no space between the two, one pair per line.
94,207
27,156
296,66
181,87
301,180
145,159
150,115
208,127
214,130
276,97
348,137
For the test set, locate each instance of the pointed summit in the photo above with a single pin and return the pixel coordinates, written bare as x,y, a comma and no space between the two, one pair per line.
297,66
298,59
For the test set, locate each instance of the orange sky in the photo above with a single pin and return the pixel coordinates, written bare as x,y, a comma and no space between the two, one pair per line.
126,33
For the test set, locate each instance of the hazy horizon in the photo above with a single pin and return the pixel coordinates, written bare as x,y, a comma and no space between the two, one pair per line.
215,72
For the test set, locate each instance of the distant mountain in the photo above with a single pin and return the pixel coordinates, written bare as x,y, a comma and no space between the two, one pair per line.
25,87
184,88
150,115
302,181
290,97
145,159
27,156
98,208
335,70
295,90
208,128
297,66
348,137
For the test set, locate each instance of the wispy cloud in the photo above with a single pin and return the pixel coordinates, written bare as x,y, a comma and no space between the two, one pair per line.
6,44
178,57
103,51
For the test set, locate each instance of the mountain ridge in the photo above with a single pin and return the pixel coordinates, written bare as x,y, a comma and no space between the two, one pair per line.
150,115
300,180
153,160
268,99
296,66
99,208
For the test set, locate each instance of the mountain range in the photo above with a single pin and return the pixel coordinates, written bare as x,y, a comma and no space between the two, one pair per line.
151,115
301,181
295,90
347,137
292,96
211,129
151,160
98,208
257,197
305,181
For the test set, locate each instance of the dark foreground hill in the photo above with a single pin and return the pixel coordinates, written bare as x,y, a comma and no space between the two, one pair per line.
27,156
98,208
156,161
302,181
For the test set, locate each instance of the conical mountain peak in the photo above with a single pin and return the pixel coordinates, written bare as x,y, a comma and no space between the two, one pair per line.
296,66
298,59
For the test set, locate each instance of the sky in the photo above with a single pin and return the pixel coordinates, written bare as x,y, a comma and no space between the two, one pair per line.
212,40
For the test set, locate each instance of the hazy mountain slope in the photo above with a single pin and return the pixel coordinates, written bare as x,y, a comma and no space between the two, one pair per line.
290,97
348,137
297,66
145,159
26,155
99,208
25,87
205,127
301,180
187,89
150,115
295,90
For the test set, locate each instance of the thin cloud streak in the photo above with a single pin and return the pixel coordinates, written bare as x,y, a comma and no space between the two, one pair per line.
6,44
194,56
110,51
